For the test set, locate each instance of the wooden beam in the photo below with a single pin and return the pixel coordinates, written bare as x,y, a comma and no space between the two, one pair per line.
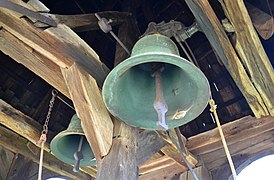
121,162
171,150
262,21
33,60
90,108
149,144
60,45
216,35
236,131
162,168
88,22
251,51
201,172
20,123
7,158
27,128
17,144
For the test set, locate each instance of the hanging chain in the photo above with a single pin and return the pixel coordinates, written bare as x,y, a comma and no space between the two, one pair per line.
43,137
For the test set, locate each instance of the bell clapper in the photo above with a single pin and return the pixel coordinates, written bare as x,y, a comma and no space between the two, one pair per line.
78,155
159,103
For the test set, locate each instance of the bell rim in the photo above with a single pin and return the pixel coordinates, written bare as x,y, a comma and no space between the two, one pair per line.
130,62
92,162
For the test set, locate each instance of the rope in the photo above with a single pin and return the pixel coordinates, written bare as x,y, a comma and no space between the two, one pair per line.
43,139
213,109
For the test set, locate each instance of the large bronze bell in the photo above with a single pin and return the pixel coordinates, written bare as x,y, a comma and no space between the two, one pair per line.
129,90
66,143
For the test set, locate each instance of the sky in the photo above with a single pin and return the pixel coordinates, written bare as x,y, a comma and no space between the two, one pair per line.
261,169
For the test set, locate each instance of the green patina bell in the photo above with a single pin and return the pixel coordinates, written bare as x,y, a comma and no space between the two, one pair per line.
66,143
129,90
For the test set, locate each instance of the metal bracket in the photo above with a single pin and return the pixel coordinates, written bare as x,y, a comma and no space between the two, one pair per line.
105,26
172,29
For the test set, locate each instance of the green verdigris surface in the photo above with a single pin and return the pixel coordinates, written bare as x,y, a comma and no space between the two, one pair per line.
129,89
64,144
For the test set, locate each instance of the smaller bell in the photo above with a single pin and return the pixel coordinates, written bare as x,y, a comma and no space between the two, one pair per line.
68,144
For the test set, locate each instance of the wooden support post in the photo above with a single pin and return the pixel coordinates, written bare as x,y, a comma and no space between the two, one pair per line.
201,172
121,162
17,144
215,33
251,51
90,108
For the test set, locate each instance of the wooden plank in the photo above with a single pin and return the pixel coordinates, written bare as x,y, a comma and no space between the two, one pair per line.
251,51
262,21
171,150
249,146
157,164
201,172
214,32
163,168
60,45
88,22
30,58
90,108
20,123
234,132
17,144
6,157
121,162
149,144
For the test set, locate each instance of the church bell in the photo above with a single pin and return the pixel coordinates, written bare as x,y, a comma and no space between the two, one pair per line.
70,142
131,91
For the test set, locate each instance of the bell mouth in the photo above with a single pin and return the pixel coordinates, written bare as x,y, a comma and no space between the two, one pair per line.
129,90
66,143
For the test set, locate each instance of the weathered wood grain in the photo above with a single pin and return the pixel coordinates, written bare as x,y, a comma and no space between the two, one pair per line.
121,162
149,143
214,32
236,131
30,58
60,45
88,22
262,21
162,168
90,108
171,150
7,158
201,172
251,51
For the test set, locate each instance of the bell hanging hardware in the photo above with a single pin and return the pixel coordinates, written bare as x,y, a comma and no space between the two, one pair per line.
105,26
29,13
